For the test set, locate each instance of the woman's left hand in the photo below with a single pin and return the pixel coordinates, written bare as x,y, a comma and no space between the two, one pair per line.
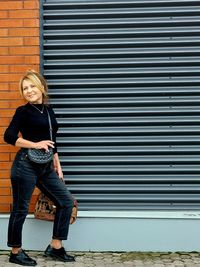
60,174
57,167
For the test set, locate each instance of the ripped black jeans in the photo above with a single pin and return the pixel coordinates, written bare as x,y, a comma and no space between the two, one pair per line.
25,175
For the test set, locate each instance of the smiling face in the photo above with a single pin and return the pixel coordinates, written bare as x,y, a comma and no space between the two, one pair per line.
33,87
31,93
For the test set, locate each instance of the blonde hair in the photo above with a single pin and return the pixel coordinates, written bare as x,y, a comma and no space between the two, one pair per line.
38,80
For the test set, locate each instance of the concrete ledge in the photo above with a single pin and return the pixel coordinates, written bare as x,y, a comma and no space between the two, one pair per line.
132,214
117,231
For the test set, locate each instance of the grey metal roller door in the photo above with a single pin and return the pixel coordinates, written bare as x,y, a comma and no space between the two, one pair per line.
124,81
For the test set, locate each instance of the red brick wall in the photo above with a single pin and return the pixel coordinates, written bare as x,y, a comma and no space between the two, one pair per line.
19,51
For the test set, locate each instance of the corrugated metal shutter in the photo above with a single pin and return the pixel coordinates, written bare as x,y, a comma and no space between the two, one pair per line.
124,80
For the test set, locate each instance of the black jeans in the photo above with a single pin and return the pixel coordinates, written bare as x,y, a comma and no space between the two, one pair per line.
25,175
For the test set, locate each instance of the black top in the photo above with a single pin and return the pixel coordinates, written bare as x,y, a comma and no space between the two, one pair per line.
32,124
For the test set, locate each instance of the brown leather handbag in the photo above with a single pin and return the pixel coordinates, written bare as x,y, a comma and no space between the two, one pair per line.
45,209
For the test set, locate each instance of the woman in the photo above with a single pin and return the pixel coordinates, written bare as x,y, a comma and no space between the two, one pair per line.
31,121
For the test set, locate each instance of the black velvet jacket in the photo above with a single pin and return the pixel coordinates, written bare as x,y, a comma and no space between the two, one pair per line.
32,124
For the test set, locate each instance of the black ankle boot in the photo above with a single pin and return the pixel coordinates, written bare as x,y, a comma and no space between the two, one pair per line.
22,258
58,254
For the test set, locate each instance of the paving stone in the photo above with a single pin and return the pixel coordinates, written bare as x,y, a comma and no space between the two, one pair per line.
129,259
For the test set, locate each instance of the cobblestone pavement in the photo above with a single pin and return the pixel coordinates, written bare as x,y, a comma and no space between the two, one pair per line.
110,259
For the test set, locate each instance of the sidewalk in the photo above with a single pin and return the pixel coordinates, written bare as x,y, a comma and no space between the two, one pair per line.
109,259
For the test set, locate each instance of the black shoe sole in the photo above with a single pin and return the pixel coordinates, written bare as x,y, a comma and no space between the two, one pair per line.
55,257
23,264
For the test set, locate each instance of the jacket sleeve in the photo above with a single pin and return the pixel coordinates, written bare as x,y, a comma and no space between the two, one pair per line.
11,133
55,129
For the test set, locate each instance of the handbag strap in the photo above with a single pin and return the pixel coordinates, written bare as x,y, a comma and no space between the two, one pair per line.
50,126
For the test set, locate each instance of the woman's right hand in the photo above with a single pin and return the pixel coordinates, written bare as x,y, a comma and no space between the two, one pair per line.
45,144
